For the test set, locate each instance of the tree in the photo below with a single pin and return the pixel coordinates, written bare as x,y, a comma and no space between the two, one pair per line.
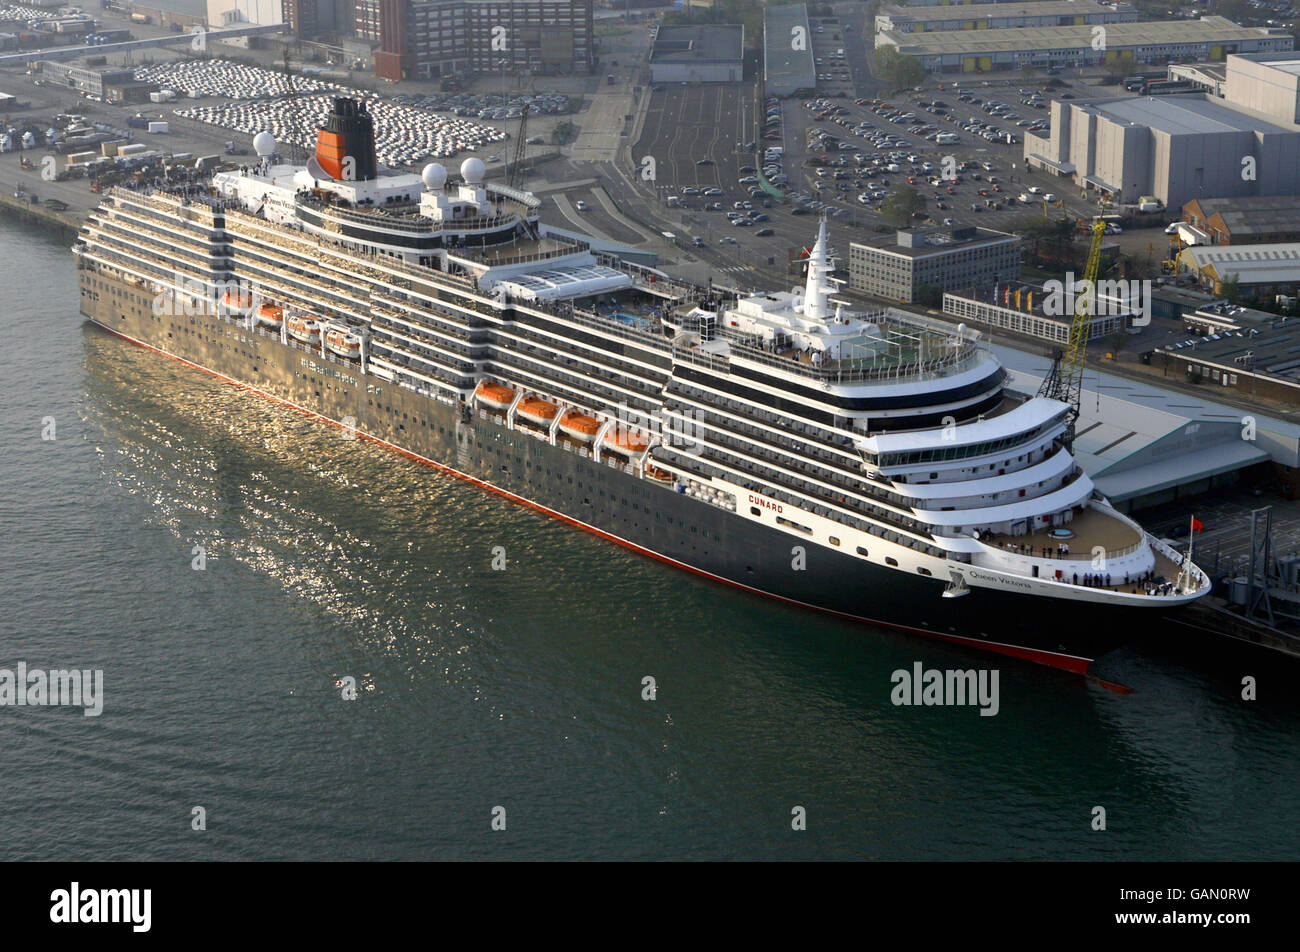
1036,231
564,133
1230,287
928,295
897,70
900,203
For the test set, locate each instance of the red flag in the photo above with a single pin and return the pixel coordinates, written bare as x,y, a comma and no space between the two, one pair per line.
1197,525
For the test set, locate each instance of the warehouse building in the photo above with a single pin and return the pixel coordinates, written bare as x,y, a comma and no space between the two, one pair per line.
1255,219
91,82
914,263
1209,78
1126,44
957,3
1173,147
1266,83
787,69
1260,271
1256,362
698,54
1002,16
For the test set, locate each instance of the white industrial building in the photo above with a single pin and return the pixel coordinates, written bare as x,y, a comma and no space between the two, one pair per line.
1184,147
1126,44
1001,16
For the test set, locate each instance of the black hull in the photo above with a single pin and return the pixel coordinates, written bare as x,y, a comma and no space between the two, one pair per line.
640,513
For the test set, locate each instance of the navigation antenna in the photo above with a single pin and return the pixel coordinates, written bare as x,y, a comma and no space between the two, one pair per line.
1064,381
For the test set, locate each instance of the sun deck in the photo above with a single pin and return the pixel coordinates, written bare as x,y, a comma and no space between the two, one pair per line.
1091,528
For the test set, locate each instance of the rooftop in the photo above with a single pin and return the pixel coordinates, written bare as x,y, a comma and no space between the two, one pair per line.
1188,114
1118,36
1254,214
1032,8
684,44
1253,264
1272,350
1134,438
930,242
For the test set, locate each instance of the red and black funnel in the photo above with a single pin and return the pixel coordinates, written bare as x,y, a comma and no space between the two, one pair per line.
348,133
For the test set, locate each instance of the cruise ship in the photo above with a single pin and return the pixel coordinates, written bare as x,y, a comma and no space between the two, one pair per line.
872,464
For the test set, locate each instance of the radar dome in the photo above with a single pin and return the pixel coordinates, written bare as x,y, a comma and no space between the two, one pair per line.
434,176
264,143
472,170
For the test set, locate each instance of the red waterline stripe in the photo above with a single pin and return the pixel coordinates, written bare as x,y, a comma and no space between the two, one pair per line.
1072,663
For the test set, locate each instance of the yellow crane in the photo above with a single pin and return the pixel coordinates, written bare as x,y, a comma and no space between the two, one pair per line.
1065,380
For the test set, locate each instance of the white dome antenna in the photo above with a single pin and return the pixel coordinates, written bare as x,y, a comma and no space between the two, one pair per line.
434,176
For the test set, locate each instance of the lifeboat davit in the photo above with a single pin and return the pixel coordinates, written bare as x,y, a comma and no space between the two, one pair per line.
622,440
304,328
579,426
537,410
494,395
272,315
343,344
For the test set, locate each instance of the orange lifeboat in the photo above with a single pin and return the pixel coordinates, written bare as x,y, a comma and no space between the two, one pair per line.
622,440
305,328
579,426
494,395
656,473
237,301
272,315
343,344
537,410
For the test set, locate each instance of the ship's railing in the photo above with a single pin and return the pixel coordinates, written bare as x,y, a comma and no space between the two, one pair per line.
481,254
865,369
378,216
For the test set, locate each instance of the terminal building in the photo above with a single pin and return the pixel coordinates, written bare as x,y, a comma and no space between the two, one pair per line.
1126,44
698,54
1179,148
1143,445
917,263
787,70
1001,16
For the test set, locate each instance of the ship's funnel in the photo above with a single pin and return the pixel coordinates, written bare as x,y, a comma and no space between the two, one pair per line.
345,145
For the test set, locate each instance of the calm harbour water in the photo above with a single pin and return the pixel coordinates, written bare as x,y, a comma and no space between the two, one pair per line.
328,558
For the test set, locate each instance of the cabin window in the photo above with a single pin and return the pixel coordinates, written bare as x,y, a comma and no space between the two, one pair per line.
834,541
890,560
923,570
754,511
862,552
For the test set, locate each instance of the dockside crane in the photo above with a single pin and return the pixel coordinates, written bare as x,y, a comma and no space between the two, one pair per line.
1064,381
